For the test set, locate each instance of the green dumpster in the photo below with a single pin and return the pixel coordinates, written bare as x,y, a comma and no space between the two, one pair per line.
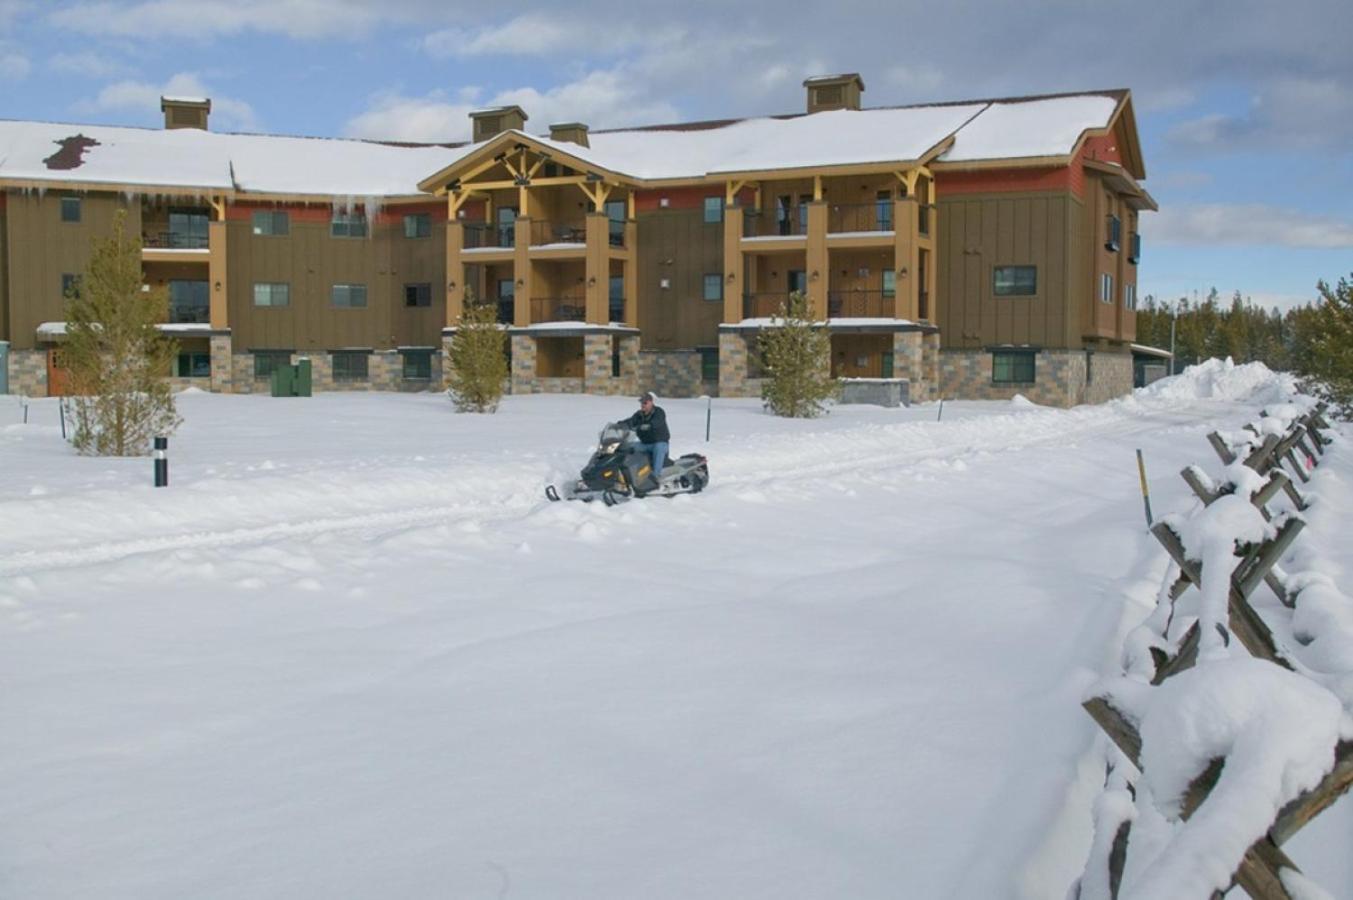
284,381
302,377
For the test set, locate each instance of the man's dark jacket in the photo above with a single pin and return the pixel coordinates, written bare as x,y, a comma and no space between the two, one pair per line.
650,428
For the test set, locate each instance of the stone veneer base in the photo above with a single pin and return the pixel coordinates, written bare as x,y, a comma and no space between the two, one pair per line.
1059,377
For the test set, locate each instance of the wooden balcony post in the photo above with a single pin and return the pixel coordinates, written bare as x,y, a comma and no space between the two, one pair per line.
455,272
733,278
906,258
521,272
597,267
818,271
216,275
632,268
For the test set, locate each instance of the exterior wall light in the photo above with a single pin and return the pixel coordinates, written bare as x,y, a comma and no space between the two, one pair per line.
902,272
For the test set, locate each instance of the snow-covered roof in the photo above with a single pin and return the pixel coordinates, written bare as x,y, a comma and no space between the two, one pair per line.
192,158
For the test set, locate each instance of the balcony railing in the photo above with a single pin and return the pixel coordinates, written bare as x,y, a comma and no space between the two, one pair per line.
558,309
764,304
489,234
174,240
568,232
776,222
861,305
190,313
844,218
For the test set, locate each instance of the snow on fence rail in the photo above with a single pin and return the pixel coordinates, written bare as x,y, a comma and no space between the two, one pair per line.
1230,754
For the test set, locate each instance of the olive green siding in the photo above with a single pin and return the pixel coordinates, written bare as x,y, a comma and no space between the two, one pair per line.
678,245
40,248
980,232
312,262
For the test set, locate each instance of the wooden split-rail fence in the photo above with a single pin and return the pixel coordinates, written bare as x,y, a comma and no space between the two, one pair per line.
1300,448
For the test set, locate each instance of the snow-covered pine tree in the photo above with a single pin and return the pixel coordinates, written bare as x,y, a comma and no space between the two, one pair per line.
477,359
797,358
118,360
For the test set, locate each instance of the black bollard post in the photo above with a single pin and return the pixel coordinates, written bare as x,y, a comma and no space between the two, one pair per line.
61,407
161,462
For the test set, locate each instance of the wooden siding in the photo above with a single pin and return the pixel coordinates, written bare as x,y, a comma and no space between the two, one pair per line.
4,273
677,244
980,233
311,262
41,248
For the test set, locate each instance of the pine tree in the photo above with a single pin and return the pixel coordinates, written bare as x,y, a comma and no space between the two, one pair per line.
116,356
478,359
798,363
1330,360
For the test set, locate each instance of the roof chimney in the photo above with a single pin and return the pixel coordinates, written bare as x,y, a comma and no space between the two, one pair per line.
570,132
488,122
185,112
834,91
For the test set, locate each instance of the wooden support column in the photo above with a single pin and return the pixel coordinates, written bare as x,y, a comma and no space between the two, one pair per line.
632,269
819,274
598,268
521,272
905,258
216,272
455,272
734,284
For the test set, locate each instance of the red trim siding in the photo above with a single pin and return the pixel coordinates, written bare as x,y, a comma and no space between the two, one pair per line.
989,181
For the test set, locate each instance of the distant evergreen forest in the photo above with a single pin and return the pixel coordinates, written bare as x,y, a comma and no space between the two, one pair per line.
1314,341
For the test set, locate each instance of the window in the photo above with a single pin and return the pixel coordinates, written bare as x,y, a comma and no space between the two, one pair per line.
271,222
889,283
70,286
883,210
348,296
1135,248
1015,281
506,306
418,294
194,365
70,209
188,229
616,298
1089,367
709,363
1114,233
349,365
1130,296
189,301
713,286
418,225
1105,288
1012,367
348,225
272,293
268,361
713,209
417,365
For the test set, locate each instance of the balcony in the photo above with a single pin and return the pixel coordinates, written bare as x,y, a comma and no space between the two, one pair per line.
764,304
547,233
189,313
861,305
174,240
558,309
860,218
778,222
489,236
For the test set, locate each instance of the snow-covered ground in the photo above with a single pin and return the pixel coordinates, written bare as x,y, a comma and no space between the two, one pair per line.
352,651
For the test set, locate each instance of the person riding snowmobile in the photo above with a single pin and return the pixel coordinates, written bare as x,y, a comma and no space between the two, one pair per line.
649,425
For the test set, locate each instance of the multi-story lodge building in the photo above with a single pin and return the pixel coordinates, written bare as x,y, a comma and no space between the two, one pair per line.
975,249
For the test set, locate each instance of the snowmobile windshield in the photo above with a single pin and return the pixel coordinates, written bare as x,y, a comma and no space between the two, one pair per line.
613,436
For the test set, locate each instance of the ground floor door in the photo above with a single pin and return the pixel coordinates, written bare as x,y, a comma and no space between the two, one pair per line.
58,376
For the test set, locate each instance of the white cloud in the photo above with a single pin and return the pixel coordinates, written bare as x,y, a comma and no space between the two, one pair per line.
1289,112
145,97
13,66
1247,225
541,34
87,63
1163,99
601,99
307,19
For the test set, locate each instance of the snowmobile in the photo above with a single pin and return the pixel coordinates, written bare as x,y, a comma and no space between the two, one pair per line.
621,469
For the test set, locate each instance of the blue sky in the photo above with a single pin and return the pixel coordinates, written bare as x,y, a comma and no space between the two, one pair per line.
1245,108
